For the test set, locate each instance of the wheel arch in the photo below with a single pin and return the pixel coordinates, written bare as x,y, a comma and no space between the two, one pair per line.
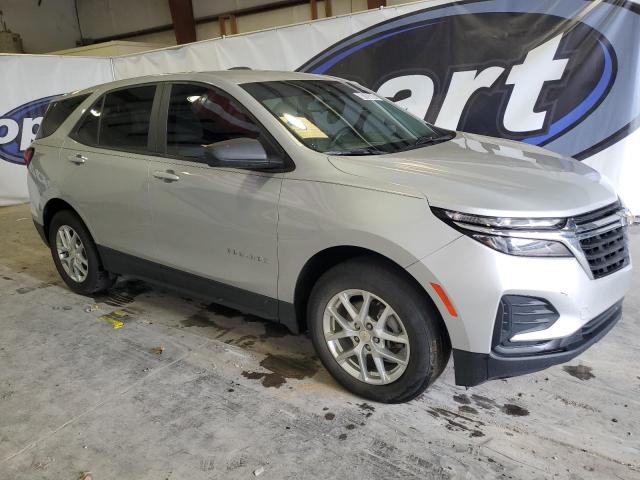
326,259
52,207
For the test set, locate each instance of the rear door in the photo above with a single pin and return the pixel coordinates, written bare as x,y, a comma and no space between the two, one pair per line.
218,224
109,151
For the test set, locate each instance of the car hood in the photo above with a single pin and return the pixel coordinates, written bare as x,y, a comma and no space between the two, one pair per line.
490,176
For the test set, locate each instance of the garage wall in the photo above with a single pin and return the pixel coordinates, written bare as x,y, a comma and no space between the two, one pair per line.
45,28
51,25
106,18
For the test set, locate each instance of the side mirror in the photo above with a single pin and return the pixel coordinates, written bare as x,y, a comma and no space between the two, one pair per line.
400,95
238,153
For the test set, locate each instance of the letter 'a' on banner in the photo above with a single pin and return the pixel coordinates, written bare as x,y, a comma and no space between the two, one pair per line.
562,75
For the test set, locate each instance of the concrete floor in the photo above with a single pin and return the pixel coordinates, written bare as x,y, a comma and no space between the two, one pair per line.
231,394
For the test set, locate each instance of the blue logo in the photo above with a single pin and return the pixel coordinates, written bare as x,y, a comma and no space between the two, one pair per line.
548,73
18,128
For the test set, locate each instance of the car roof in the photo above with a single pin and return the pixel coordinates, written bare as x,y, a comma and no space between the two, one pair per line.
237,77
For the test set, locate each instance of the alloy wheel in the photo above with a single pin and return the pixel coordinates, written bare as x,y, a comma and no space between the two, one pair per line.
366,337
72,253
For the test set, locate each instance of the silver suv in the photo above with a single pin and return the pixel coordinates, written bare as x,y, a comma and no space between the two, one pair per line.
313,202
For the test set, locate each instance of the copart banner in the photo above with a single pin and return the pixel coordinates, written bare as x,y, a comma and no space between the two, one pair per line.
562,74
28,83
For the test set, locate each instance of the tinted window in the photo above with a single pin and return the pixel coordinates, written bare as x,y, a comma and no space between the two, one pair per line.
200,116
57,112
87,133
125,118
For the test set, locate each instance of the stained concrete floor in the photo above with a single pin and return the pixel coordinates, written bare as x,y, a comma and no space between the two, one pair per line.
186,390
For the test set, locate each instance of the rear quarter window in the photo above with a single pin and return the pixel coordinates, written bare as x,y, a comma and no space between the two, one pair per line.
57,112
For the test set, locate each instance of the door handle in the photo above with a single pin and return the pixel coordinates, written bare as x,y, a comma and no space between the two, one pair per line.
78,159
168,176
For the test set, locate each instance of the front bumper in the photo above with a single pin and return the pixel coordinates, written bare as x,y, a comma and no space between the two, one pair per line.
474,368
475,278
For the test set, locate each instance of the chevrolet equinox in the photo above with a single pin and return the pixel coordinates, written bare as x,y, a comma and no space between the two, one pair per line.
314,202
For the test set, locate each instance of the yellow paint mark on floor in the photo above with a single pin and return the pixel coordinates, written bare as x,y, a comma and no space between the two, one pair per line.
115,318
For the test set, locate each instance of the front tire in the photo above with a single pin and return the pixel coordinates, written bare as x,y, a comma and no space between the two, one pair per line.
375,331
75,255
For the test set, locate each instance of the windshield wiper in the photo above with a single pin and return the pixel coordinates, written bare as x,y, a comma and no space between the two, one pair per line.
356,151
430,140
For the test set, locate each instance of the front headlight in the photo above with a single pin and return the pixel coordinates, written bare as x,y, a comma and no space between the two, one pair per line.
508,234
513,223
525,247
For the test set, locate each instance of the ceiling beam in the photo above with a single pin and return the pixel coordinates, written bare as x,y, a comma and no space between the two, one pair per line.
184,26
376,4
327,8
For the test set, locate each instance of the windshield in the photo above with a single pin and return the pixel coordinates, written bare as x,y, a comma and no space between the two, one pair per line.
343,119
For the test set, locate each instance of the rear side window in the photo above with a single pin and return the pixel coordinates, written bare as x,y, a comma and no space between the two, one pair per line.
200,116
57,112
119,120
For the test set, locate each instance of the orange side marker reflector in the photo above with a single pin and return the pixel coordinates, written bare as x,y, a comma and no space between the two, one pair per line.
443,296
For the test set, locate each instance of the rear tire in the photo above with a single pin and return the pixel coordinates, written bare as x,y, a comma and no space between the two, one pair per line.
399,320
75,255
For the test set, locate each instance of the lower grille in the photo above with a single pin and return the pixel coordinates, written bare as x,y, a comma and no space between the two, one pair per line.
603,240
592,329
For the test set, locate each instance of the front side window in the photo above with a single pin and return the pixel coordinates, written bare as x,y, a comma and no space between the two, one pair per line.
57,112
125,118
201,116
341,119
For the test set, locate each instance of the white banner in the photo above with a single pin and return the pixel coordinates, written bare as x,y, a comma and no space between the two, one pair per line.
561,74
28,82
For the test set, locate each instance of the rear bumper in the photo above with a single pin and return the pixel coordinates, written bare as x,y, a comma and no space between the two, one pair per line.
475,368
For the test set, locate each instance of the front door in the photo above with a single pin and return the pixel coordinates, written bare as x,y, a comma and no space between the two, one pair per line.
219,225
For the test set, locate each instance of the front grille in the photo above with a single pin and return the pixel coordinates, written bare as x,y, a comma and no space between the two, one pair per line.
598,214
603,240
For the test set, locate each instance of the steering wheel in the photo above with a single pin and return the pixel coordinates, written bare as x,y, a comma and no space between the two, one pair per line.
337,139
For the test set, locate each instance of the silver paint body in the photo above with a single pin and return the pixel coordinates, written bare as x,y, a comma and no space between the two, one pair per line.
256,231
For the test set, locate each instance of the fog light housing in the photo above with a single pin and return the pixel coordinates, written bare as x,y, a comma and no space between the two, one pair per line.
521,314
